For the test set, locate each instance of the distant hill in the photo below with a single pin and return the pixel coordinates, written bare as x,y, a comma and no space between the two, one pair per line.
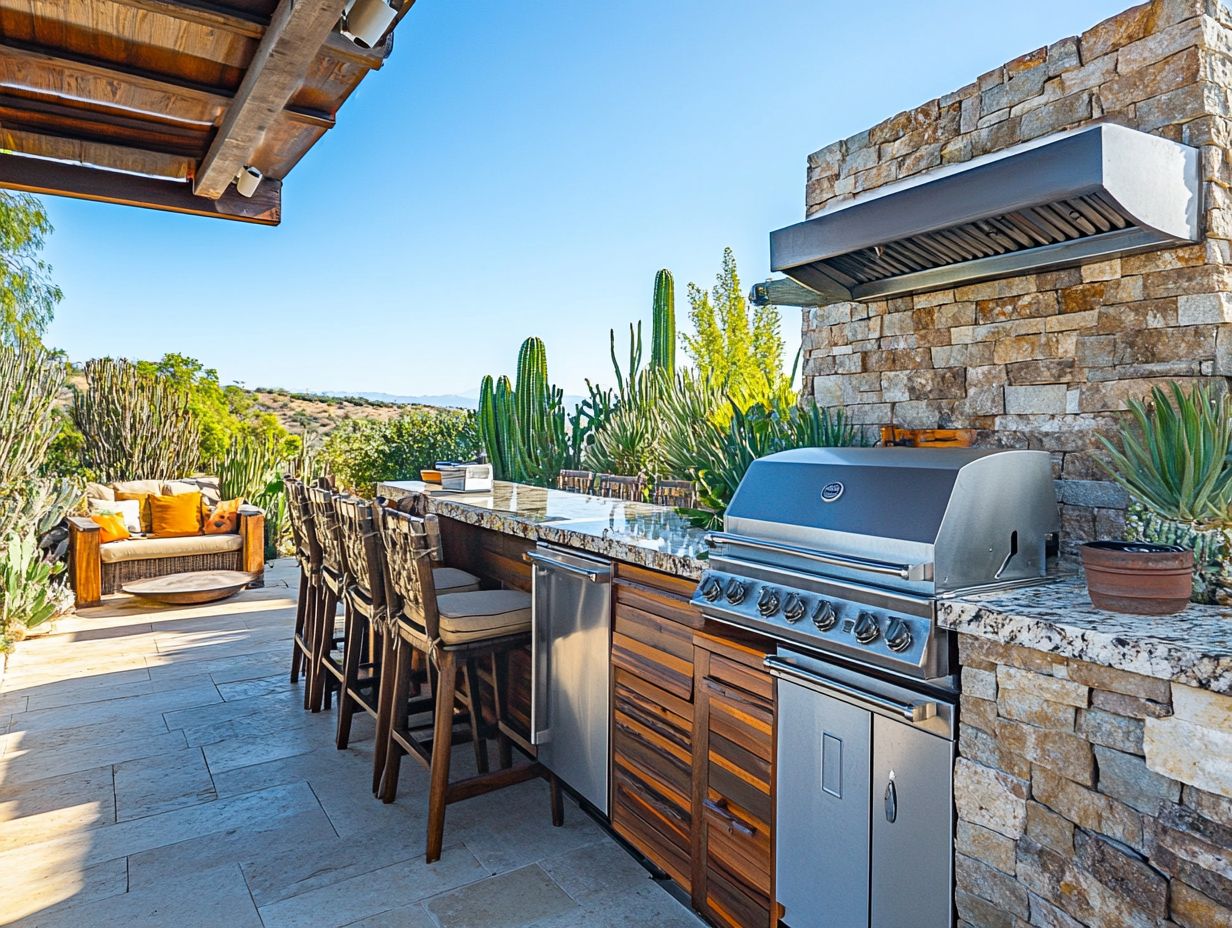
323,412
459,400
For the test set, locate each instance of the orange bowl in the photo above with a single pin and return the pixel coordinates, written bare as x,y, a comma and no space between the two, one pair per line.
430,476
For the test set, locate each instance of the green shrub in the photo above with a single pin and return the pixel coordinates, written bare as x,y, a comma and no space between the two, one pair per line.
361,453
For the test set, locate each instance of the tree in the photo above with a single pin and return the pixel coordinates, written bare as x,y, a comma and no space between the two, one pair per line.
741,352
28,297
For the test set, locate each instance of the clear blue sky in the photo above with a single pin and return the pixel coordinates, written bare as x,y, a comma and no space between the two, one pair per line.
524,168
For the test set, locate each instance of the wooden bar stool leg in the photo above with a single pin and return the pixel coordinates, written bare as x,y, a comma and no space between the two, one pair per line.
312,621
504,746
442,743
392,765
301,614
352,653
326,617
384,710
558,804
473,707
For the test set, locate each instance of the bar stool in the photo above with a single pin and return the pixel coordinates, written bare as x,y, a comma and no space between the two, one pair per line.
326,669
576,481
454,630
613,486
308,557
679,494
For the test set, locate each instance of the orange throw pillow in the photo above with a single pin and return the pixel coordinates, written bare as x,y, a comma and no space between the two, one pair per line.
225,518
176,516
111,526
143,499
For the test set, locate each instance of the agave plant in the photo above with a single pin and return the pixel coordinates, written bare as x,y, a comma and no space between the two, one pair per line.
29,595
1173,460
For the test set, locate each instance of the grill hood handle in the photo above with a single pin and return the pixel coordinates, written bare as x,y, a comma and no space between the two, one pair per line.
910,572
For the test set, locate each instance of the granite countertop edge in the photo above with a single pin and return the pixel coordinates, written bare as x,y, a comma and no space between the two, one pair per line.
1193,647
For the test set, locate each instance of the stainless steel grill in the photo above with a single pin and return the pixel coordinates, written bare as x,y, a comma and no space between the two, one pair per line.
845,550
841,555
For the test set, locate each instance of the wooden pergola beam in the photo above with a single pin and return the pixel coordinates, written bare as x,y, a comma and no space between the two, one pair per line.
203,13
295,35
35,175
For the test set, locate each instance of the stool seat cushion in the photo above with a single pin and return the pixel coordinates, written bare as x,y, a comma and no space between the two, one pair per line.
453,580
467,617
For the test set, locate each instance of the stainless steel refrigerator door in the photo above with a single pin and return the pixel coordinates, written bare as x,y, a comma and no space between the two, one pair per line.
913,822
822,829
571,622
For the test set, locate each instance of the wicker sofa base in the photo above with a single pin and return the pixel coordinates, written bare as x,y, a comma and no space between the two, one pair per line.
115,575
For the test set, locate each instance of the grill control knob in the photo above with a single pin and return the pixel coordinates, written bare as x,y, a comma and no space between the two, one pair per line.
793,609
898,635
824,616
712,589
736,591
866,628
768,602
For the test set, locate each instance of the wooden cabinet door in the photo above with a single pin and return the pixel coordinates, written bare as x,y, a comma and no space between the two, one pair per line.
733,876
652,717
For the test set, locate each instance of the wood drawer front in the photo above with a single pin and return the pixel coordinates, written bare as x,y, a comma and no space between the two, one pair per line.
654,825
729,900
652,734
656,649
751,679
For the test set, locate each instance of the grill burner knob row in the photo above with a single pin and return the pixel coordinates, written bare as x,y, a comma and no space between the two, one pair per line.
898,635
712,589
866,629
768,602
736,591
793,609
824,616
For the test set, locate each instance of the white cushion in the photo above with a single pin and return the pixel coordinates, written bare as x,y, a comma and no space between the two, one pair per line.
481,615
129,509
143,549
453,580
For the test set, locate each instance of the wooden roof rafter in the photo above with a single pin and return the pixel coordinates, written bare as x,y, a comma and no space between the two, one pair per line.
158,100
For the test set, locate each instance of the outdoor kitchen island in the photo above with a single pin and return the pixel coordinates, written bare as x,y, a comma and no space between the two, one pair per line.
1094,769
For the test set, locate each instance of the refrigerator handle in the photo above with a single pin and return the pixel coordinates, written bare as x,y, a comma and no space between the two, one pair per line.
540,657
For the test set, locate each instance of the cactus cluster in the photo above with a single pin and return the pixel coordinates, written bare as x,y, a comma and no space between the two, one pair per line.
135,426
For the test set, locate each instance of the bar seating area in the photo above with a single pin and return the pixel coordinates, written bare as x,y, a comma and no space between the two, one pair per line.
423,648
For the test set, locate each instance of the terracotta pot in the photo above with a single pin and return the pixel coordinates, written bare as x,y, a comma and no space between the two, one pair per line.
1139,578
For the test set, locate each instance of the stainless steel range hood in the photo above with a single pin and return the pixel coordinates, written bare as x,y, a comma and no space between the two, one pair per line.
1066,199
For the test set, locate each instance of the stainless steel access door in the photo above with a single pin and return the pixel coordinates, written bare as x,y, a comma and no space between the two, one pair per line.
821,831
571,641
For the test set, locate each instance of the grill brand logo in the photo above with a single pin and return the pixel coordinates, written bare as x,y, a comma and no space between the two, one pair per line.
832,491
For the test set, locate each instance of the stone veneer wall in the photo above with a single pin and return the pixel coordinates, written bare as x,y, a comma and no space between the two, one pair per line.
1088,796
1045,360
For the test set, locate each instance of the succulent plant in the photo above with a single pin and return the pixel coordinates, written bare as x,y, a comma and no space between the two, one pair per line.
663,339
1173,458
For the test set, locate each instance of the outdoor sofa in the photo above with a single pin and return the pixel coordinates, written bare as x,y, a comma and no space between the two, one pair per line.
97,568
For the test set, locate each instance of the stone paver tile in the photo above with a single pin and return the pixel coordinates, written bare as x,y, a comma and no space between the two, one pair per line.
240,844
640,908
150,785
597,871
111,711
273,685
13,703
373,893
102,689
249,749
223,670
42,892
216,713
124,838
407,916
67,688
84,736
48,808
511,900
18,766
197,900
517,831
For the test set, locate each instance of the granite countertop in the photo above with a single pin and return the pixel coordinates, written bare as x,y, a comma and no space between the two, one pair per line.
1193,647
638,533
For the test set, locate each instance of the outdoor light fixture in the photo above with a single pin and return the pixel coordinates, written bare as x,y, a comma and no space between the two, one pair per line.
247,180
364,22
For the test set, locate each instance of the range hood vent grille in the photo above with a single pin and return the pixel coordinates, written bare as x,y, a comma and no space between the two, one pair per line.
1081,196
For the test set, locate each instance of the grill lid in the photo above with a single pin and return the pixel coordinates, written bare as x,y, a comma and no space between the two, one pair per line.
920,519
1084,195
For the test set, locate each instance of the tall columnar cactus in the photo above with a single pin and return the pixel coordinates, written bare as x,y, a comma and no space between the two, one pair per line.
663,342
135,426
531,387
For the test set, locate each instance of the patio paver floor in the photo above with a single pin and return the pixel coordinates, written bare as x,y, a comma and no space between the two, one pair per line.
156,768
